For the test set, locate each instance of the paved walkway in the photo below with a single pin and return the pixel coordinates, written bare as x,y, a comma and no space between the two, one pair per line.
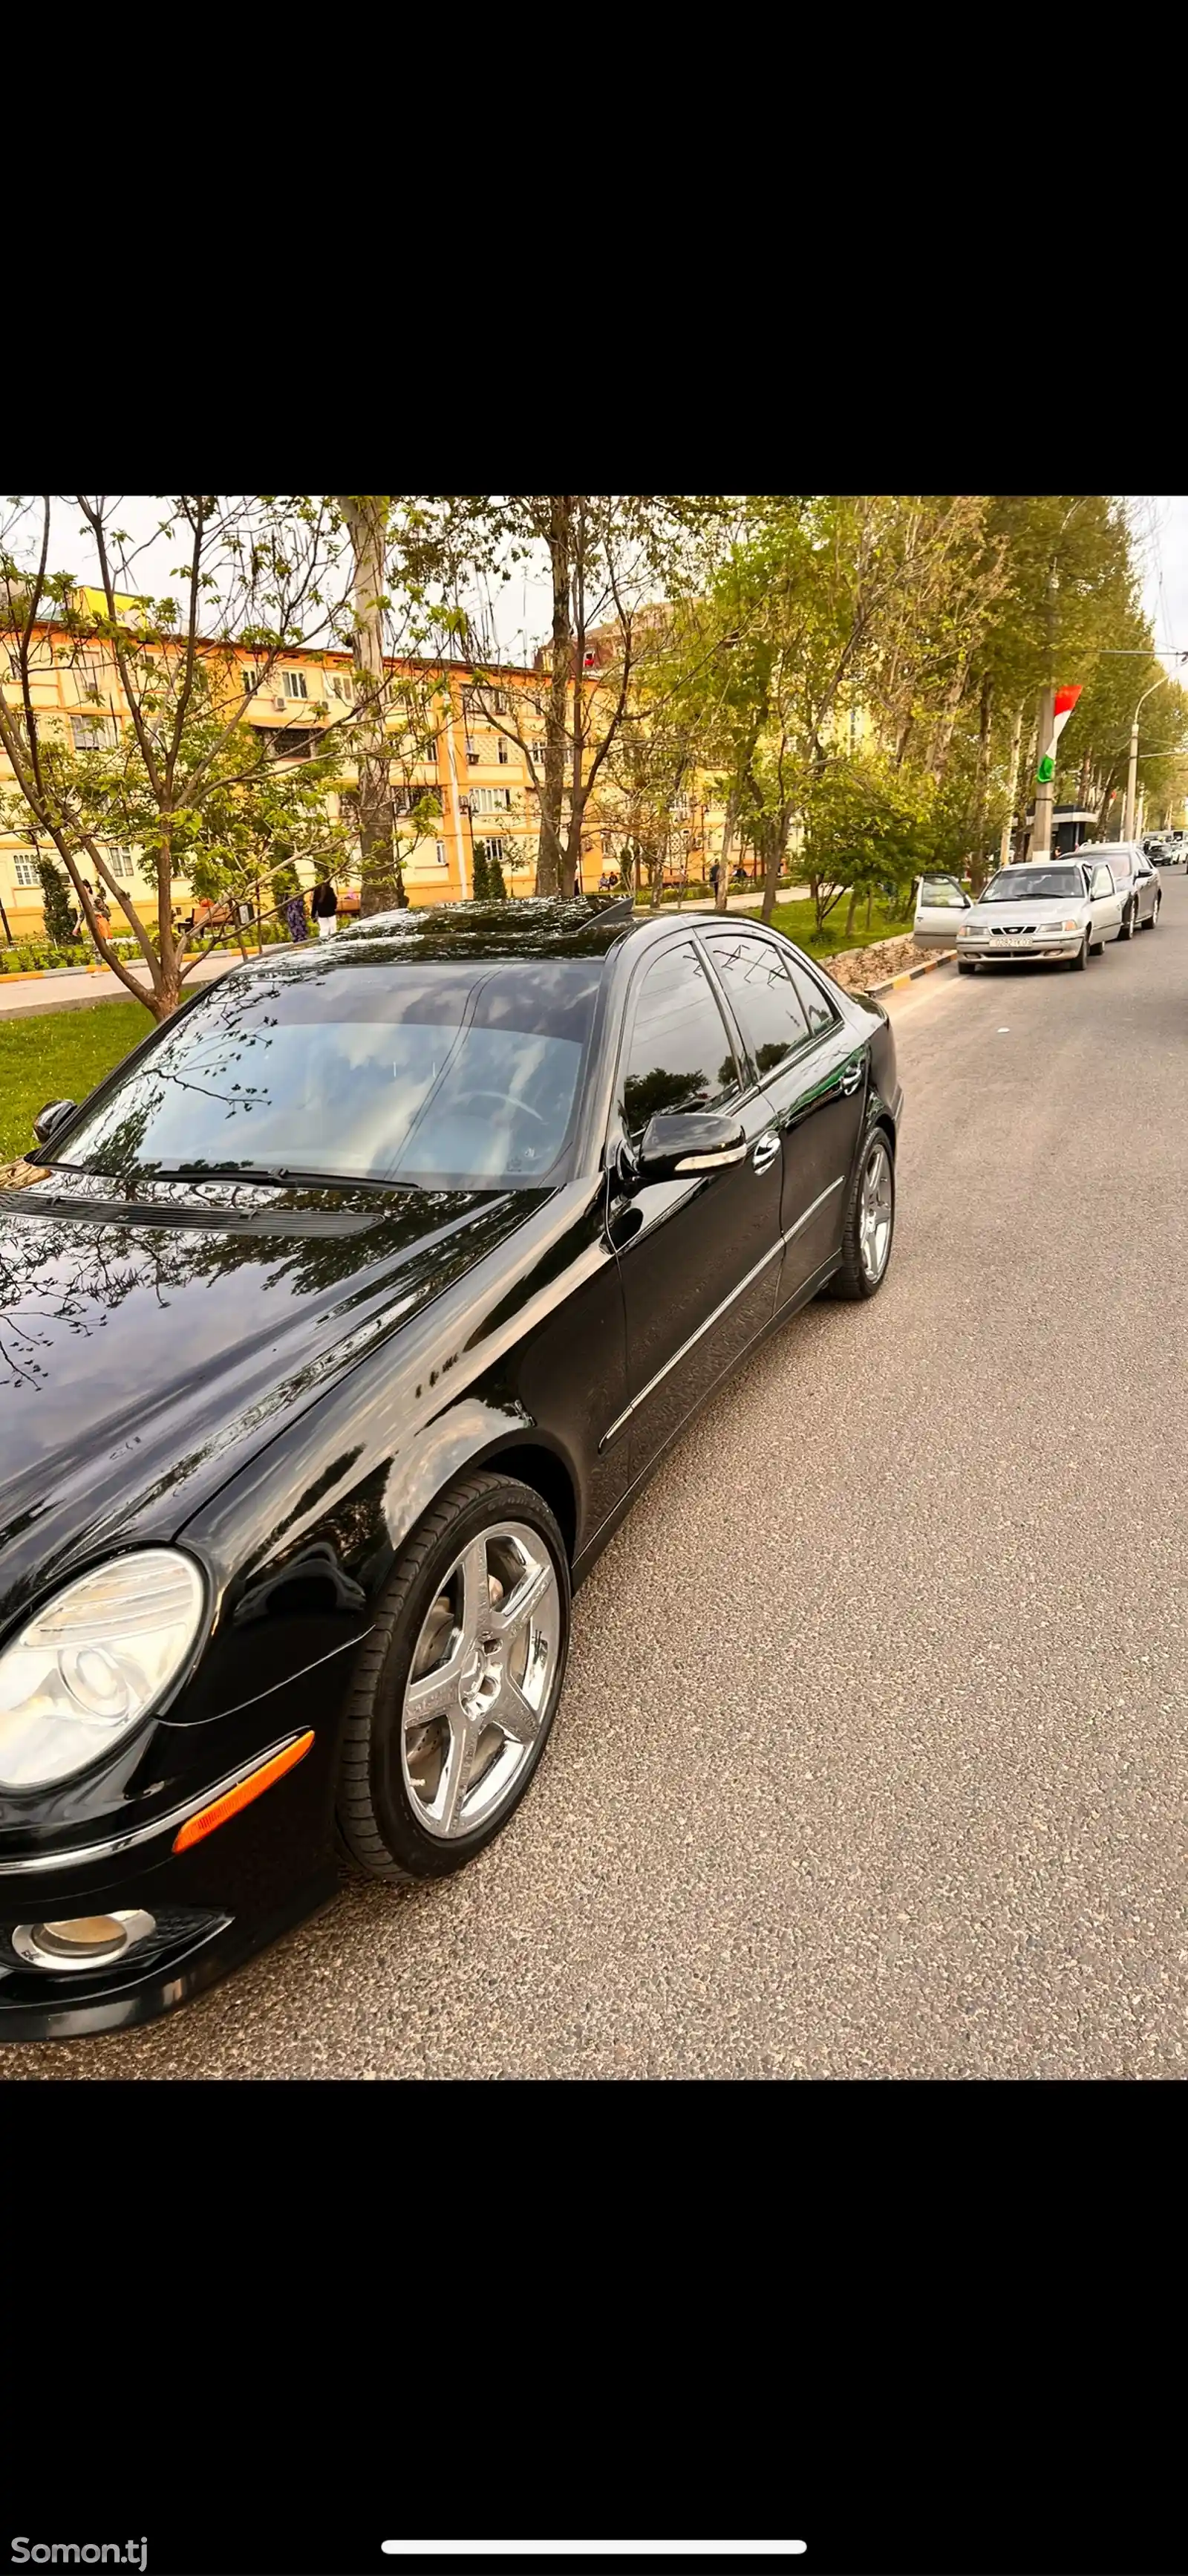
73,989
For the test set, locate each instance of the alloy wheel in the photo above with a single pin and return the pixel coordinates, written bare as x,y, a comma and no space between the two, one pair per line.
875,1206
480,1680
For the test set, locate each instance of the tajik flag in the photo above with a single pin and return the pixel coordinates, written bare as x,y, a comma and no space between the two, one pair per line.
1066,700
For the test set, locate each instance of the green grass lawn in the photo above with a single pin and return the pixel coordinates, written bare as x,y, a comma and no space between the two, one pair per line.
59,1056
796,919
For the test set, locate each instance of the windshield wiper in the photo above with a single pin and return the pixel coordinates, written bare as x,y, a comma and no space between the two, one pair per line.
270,1173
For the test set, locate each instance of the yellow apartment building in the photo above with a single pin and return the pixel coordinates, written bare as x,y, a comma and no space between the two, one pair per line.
446,744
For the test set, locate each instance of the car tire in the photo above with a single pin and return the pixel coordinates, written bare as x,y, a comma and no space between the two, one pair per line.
856,1278
1078,963
1128,919
1150,924
386,1794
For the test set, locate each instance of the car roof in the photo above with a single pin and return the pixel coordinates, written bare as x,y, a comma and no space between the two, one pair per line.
521,927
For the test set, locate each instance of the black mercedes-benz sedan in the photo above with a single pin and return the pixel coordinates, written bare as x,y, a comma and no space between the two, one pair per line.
338,1329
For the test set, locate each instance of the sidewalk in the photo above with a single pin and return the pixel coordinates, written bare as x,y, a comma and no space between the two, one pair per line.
72,989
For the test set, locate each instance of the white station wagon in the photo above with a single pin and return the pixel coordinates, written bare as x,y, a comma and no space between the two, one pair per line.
1058,908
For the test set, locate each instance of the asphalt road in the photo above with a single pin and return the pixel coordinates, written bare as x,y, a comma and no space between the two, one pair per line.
873,1759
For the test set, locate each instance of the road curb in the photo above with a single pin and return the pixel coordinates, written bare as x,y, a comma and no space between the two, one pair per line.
929,966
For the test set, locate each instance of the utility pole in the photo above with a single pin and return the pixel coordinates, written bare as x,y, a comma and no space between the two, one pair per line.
1132,772
1041,830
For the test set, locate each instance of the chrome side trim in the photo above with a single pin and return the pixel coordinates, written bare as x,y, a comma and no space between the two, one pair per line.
838,1184
710,1162
653,1382
87,1852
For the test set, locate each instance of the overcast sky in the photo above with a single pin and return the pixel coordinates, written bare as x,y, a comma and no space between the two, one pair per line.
521,608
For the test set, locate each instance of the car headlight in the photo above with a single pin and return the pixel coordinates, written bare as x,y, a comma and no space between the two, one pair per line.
84,1670
969,930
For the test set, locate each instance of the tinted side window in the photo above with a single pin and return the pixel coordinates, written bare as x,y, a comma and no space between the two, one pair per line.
680,1055
763,997
819,1012
1103,883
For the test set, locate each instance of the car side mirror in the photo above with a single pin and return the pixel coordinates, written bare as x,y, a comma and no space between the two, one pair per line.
684,1141
52,1118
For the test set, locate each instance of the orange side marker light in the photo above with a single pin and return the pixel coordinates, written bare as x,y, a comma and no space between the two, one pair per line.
197,1827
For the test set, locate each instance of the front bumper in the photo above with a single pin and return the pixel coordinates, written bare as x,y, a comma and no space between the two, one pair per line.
202,1910
992,951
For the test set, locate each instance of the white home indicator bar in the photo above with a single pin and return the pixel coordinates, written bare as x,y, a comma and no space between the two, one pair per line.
594,2548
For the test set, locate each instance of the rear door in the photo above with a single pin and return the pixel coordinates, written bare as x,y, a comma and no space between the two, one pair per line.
940,904
811,1071
698,1256
823,1130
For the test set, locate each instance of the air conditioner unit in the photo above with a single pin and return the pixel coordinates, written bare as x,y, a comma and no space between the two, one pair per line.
280,704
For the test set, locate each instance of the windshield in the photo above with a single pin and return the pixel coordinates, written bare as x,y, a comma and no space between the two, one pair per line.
428,1074
1036,885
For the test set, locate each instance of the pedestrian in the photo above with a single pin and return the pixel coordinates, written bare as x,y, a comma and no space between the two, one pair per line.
295,917
325,909
99,908
715,873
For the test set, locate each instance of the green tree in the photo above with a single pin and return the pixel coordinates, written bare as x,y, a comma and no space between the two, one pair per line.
59,917
610,558
158,757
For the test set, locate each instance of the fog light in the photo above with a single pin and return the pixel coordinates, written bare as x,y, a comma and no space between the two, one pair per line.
81,1940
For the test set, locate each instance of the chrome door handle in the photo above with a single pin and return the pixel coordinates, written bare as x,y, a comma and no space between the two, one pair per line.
851,1078
767,1148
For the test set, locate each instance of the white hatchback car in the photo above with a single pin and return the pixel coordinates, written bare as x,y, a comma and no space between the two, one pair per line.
1057,908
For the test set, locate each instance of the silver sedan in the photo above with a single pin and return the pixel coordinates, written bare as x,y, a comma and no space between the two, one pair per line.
1053,909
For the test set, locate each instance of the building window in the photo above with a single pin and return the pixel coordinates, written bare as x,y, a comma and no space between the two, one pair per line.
405,800
340,686
489,800
479,705
503,751
472,752
488,850
26,868
94,733
121,862
441,854
294,684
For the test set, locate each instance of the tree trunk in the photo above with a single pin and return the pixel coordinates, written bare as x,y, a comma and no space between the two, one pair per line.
853,909
772,858
548,859
728,830
985,705
1004,847
381,882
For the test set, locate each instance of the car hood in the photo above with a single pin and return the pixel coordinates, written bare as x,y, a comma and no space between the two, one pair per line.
1010,916
141,1338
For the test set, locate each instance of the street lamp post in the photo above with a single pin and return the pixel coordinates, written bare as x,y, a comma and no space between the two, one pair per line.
1132,772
